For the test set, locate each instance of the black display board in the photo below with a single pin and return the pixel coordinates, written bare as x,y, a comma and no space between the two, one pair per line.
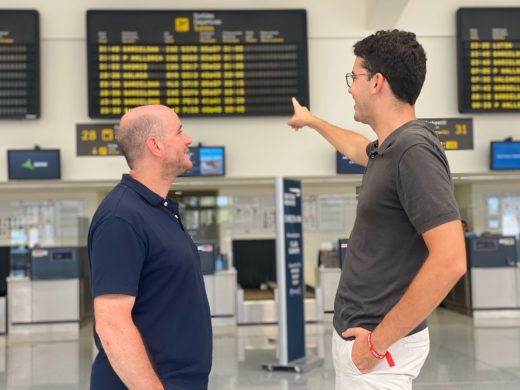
255,261
454,133
200,63
19,64
97,139
488,52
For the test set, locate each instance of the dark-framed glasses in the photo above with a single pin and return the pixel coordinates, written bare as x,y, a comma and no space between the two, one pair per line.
350,77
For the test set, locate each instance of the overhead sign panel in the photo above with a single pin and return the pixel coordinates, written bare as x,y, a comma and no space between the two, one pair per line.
200,63
488,51
19,64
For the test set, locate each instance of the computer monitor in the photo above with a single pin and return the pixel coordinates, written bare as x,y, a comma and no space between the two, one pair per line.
504,155
345,165
342,250
255,262
207,161
34,164
208,255
328,257
5,268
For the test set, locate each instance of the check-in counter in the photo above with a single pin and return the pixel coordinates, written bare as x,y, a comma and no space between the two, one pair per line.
3,315
328,281
491,286
221,290
55,296
43,305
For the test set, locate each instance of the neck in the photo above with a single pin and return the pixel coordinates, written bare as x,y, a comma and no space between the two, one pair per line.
154,183
391,119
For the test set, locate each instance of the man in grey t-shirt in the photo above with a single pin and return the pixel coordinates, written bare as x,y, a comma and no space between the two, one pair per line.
406,250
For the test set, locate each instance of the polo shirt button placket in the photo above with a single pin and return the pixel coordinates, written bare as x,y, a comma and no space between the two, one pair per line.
165,204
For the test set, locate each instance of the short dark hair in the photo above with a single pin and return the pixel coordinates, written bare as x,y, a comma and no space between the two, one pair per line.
399,58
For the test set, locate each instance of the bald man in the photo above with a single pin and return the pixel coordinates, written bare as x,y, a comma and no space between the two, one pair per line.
152,323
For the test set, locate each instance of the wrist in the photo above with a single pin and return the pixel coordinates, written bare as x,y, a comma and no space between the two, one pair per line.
313,121
376,352
379,354
378,343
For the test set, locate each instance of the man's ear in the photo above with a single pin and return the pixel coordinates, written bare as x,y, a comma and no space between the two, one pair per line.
153,144
377,83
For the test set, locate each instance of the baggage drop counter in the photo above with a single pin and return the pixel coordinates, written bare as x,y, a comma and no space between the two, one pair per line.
55,297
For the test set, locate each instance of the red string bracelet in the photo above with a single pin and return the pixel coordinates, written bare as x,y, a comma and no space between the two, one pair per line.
377,355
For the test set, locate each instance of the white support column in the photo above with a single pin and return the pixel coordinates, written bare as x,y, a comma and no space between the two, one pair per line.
384,14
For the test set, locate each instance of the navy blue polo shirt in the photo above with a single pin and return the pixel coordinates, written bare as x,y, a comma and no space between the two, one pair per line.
138,247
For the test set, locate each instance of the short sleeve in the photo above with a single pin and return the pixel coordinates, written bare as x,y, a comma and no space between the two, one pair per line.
425,188
117,256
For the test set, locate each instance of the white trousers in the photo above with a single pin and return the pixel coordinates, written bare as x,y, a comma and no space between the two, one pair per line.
409,355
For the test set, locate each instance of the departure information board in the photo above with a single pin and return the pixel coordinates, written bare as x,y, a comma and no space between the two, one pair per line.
200,63
19,64
488,46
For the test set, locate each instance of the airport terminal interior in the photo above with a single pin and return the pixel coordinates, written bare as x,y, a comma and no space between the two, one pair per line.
69,70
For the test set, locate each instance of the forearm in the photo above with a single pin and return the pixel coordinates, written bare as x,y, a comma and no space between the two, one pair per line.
429,287
128,357
351,144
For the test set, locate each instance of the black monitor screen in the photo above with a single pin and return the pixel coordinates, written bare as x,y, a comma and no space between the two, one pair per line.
5,254
207,161
504,155
345,165
207,254
255,262
34,164
342,250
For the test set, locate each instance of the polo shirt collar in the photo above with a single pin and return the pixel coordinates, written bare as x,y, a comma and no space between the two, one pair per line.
147,194
393,136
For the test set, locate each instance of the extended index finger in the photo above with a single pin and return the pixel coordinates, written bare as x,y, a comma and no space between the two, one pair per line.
296,104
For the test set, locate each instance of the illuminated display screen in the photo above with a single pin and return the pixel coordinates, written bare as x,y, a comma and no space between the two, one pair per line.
34,164
505,155
346,165
207,161
200,63
19,64
488,46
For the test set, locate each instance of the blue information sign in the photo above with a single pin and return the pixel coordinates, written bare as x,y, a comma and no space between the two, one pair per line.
291,285
290,280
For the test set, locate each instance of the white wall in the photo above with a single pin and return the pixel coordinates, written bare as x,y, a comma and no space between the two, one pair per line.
334,25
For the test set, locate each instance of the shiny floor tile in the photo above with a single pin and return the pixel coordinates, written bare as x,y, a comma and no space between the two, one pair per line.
464,355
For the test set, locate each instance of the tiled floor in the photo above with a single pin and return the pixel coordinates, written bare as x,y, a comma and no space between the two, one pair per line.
463,356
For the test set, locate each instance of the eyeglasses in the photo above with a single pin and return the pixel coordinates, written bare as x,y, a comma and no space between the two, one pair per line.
350,77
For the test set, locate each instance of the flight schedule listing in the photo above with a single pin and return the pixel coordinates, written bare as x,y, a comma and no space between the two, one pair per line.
489,59
200,63
19,64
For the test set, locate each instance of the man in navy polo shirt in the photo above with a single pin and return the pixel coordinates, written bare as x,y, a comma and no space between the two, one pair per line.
151,313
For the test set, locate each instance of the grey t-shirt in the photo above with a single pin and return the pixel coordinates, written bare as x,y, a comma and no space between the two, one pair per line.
406,191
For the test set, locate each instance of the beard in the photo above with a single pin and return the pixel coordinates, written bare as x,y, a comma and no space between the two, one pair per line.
175,167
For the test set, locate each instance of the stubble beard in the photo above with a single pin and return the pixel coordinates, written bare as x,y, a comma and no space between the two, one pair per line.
172,169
